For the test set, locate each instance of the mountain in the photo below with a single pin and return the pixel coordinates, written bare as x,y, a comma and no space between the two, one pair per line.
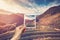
49,18
7,20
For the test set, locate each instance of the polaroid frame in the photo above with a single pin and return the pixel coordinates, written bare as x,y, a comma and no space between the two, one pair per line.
25,21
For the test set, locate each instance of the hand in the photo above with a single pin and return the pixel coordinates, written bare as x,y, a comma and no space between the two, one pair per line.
18,32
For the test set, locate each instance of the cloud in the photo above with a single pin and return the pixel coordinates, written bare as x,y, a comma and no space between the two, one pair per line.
25,6
10,5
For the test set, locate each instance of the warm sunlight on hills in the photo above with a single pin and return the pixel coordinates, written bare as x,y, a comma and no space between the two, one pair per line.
9,18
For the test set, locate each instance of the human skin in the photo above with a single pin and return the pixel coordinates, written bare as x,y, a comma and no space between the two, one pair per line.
18,31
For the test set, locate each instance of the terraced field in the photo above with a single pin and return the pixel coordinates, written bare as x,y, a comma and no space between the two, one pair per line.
36,35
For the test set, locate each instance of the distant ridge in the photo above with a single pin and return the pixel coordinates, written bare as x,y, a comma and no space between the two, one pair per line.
51,11
50,18
6,19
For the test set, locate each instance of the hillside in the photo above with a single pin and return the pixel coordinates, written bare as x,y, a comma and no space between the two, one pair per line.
7,21
49,20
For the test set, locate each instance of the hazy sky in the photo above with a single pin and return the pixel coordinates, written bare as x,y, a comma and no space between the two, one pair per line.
28,6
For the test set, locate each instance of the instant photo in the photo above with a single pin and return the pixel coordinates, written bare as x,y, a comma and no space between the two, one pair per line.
30,21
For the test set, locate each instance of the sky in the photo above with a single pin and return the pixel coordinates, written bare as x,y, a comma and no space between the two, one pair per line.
28,6
30,17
